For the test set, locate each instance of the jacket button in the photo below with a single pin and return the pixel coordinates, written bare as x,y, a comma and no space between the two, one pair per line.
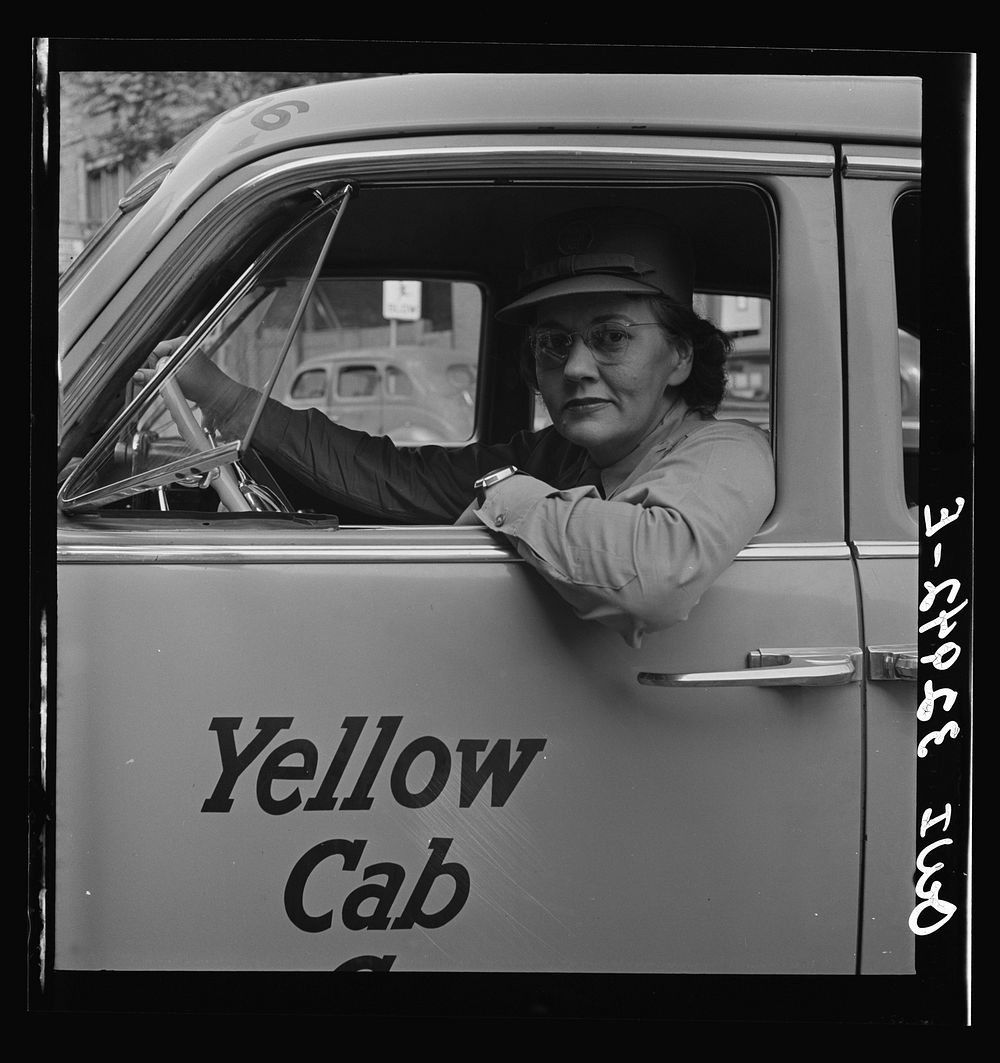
499,519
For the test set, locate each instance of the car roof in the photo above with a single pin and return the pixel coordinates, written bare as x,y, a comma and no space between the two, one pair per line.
885,110
877,109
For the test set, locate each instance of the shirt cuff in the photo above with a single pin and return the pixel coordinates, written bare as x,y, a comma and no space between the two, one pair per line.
509,502
231,406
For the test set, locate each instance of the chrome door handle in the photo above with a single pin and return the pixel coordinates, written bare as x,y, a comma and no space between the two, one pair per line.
892,662
828,666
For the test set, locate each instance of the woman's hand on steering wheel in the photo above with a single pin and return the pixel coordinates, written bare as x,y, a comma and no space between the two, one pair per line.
196,382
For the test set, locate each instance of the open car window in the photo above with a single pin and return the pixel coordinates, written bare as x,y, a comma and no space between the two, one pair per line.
378,311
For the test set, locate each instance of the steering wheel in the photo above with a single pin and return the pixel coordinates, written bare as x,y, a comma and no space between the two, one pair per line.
237,490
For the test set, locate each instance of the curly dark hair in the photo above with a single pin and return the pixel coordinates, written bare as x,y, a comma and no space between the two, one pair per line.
706,385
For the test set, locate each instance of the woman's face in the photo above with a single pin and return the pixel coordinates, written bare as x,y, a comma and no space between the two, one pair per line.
609,408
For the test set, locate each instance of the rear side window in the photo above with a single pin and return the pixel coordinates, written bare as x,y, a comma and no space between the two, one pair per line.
357,382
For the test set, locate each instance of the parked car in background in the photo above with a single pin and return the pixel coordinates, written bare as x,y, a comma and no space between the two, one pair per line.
289,737
412,395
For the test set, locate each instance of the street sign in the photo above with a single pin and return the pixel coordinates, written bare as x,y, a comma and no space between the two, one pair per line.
401,300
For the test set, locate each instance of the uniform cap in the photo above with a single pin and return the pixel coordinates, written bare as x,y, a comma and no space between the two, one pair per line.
593,251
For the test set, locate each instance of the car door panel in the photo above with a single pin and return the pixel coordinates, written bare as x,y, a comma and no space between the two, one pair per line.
891,770
711,830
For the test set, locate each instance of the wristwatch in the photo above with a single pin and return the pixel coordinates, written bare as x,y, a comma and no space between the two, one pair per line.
491,478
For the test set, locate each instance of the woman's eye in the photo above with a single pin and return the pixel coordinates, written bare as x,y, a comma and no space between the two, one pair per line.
611,334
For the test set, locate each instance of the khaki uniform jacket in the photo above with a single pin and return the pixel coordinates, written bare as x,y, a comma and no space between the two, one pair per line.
633,546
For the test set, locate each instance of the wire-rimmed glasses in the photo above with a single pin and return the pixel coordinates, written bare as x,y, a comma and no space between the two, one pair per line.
608,341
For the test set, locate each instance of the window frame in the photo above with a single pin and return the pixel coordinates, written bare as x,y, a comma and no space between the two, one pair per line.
779,173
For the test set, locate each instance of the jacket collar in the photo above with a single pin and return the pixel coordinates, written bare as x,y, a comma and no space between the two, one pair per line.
675,424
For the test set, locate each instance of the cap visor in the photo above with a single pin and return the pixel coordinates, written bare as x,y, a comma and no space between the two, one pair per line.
522,310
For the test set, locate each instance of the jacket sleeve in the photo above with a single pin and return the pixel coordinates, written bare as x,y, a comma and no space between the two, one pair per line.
636,562
425,485
641,560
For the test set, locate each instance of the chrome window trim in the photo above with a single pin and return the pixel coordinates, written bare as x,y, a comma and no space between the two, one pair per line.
285,554
819,162
116,548
857,164
299,547
873,548
828,551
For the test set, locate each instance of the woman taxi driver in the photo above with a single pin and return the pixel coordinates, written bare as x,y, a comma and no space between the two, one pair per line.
636,498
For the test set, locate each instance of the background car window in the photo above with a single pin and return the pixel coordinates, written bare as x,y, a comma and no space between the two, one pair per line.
397,383
310,385
358,381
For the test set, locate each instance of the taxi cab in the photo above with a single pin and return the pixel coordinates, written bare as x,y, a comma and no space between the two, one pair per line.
293,738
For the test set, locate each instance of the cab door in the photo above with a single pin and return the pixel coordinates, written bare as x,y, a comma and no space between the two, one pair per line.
298,748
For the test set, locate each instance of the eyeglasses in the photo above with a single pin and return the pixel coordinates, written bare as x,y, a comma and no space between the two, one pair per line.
608,342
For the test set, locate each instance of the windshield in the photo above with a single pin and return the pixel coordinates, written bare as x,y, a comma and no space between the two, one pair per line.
159,438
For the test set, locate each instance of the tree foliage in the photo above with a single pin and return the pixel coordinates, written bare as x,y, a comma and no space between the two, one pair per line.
149,111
